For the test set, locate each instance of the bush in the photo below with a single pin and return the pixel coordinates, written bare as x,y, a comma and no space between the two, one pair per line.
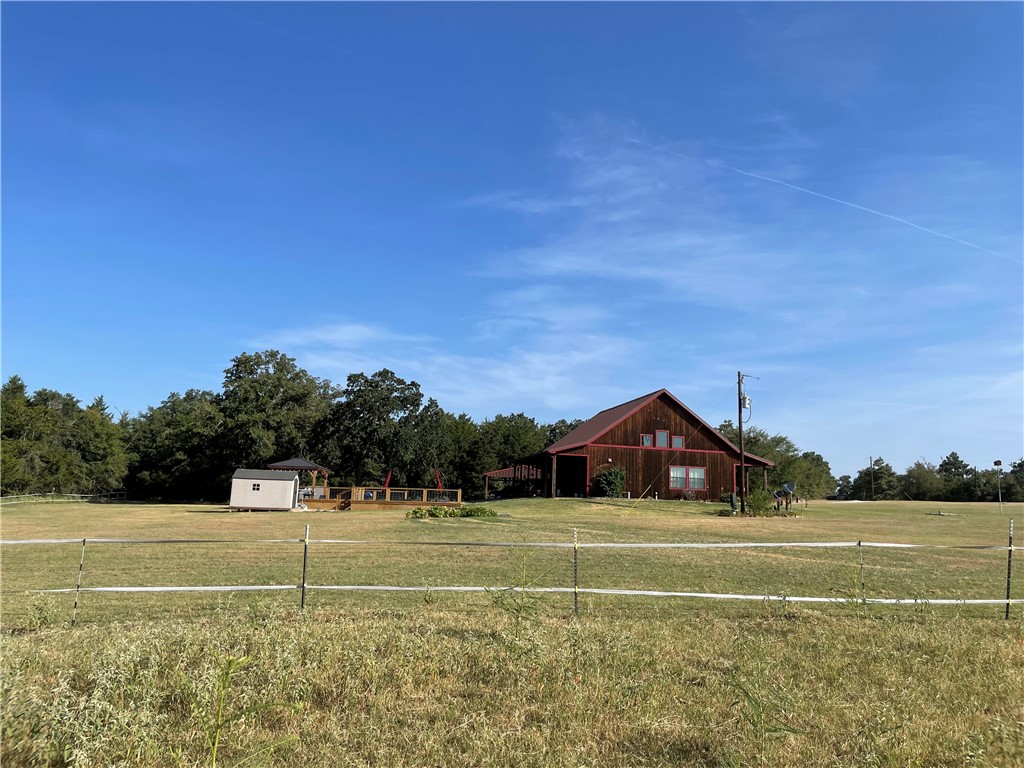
762,504
422,513
610,482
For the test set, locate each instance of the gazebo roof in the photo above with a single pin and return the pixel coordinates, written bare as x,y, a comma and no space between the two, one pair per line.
297,464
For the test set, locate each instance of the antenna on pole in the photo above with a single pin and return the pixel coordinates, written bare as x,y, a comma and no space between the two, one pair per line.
742,402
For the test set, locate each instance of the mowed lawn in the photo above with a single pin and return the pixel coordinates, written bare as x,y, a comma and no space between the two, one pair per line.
438,678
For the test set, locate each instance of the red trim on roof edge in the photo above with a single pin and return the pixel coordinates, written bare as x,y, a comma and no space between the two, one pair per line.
640,402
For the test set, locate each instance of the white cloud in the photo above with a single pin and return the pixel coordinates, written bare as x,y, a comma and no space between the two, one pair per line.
662,268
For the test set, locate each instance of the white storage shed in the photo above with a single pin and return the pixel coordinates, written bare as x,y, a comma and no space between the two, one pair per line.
264,489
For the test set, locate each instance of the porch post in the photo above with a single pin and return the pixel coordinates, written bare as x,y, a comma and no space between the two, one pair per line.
554,475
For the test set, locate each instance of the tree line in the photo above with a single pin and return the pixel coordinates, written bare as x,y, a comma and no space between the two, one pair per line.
953,479
376,427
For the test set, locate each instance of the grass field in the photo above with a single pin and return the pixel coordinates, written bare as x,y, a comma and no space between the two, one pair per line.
444,679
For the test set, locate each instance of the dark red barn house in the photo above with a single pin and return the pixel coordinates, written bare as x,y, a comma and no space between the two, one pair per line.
665,449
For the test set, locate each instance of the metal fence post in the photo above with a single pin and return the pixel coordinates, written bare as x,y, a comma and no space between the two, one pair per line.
860,552
575,573
1009,564
305,563
78,586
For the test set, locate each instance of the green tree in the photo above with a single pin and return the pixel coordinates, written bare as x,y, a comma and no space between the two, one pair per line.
814,476
844,487
808,470
373,429
460,448
879,476
957,478
175,449
555,432
1012,482
15,472
51,443
506,439
921,482
101,446
271,408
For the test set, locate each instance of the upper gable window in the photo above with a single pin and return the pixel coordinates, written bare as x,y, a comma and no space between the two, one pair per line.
677,441
646,441
662,439
255,486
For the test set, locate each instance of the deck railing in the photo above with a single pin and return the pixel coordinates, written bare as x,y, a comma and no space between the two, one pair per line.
346,497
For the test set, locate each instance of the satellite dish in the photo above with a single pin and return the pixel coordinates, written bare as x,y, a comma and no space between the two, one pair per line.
789,487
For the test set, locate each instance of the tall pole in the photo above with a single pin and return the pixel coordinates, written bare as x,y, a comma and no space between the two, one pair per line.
743,458
999,484
871,459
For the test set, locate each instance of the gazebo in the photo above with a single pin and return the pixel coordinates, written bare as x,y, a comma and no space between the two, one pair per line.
296,464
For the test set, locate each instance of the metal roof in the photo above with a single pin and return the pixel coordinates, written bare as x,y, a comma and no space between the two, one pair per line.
596,426
300,465
263,474
593,428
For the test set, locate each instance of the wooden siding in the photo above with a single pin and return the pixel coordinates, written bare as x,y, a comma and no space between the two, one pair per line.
662,414
647,468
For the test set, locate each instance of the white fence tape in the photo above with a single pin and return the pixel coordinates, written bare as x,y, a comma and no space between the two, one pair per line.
552,590
537,544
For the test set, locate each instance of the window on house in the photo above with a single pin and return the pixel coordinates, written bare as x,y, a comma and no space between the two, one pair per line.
255,486
687,478
662,441
646,441
677,441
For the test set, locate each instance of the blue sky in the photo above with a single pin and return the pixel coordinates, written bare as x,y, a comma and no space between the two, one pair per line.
549,208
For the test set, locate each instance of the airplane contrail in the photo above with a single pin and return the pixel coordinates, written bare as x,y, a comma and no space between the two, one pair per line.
872,210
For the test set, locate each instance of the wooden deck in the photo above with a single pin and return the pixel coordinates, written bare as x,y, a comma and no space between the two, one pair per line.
376,497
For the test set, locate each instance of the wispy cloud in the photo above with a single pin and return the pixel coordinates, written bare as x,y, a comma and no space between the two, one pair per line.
339,336
875,212
658,264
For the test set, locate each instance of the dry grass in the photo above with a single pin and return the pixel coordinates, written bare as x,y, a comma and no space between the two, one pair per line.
469,680
402,556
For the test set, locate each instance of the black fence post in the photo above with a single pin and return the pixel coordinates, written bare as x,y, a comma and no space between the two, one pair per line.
78,586
305,563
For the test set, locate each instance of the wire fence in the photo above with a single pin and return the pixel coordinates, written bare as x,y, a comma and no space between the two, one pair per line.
326,548
54,496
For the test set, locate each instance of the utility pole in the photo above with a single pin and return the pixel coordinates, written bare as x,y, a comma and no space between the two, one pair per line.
871,459
743,458
742,401
998,464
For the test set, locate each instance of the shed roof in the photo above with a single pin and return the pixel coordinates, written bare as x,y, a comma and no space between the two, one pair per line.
593,428
264,474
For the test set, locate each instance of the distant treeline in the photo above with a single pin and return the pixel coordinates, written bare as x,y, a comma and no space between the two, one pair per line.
374,428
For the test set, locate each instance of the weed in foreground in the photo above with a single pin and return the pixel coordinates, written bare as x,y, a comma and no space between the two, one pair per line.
215,720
